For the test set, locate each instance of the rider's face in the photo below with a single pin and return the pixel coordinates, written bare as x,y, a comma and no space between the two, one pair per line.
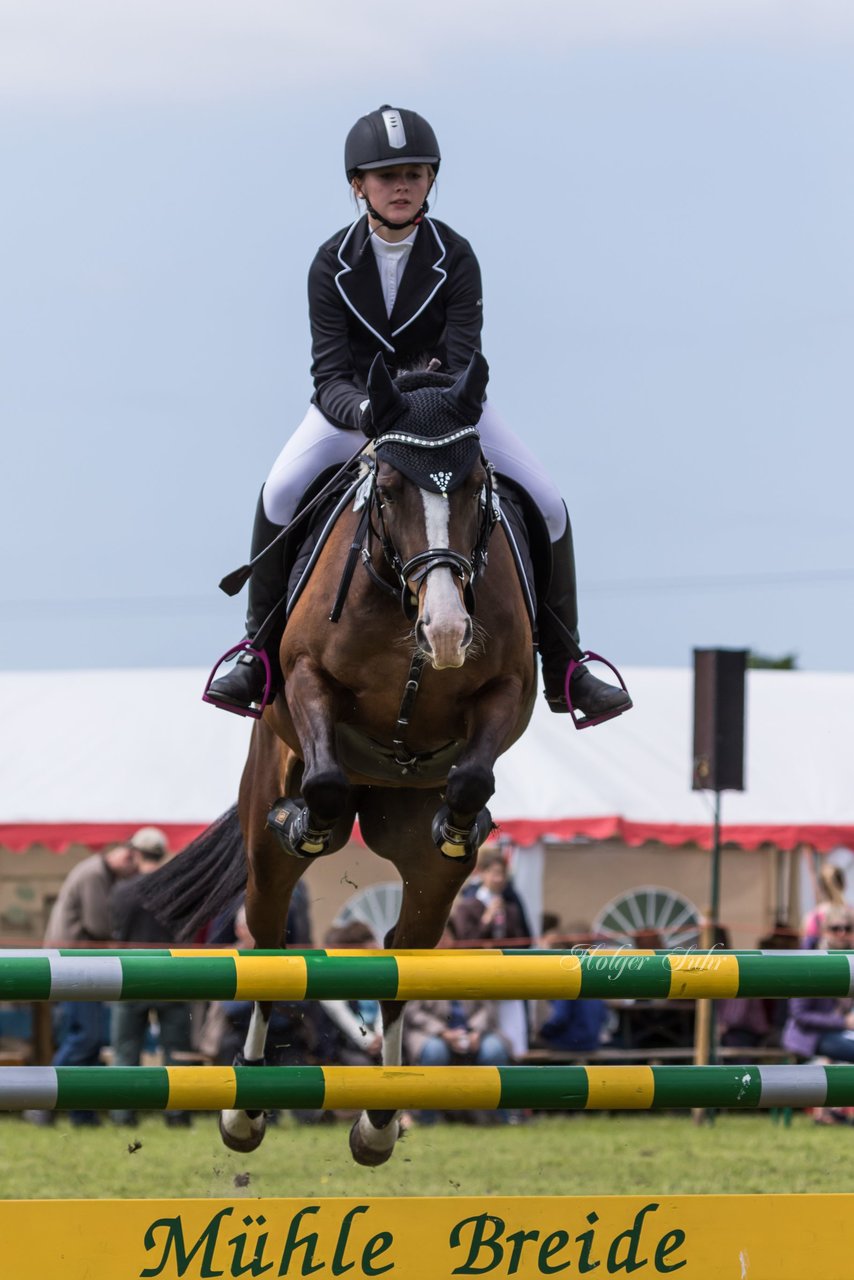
397,192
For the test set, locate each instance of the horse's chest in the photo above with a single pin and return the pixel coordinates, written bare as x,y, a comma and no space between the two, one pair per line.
391,702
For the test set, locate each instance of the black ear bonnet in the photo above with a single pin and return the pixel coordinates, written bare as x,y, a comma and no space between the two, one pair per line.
425,424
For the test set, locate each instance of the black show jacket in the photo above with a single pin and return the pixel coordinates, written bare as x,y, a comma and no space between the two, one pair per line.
438,312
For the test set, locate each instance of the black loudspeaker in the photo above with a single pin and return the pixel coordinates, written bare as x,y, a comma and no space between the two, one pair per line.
719,719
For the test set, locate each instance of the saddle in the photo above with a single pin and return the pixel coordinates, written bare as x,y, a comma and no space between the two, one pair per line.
312,536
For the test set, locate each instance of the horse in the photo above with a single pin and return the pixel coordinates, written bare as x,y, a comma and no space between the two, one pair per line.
394,714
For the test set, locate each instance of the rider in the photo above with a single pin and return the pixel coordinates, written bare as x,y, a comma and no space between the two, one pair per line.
402,283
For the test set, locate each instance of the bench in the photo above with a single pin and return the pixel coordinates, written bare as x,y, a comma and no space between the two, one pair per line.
15,1052
615,1055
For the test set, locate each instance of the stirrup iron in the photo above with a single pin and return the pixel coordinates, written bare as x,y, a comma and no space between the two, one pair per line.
256,711
578,718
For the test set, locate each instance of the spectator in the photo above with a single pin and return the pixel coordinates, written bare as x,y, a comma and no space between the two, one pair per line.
830,892
81,916
578,1025
130,1019
442,1033
221,931
354,1026
824,1025
492,911
743,1021
489,906
291,1035
748,1021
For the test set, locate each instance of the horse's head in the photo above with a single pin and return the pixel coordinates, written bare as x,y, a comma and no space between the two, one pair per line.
434,497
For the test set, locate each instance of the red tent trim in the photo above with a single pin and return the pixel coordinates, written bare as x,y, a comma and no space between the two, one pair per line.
60,836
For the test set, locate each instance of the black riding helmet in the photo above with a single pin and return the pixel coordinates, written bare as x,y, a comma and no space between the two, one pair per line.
390,135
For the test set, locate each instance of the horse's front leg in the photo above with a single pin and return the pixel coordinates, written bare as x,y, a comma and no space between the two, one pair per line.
244,1130
464,822
396,825
305,829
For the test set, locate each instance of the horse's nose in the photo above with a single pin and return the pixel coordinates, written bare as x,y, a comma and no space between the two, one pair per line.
445,645
421,638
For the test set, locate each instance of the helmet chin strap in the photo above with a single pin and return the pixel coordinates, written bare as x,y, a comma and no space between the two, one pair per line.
396,226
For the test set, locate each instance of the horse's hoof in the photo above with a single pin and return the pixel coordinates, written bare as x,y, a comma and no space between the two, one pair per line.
364,1152
252,1135
460,843
292,823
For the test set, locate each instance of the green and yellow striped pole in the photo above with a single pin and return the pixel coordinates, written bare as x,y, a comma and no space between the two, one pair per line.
417,975
565,1088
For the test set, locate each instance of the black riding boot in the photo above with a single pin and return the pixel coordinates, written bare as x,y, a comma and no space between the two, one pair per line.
243,686
557,624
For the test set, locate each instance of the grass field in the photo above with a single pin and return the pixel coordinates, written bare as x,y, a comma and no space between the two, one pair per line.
563,1155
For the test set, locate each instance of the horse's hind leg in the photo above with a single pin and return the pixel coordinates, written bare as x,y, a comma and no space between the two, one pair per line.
271,879
396,825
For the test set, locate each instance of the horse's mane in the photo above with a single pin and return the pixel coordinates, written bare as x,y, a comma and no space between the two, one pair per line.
415,379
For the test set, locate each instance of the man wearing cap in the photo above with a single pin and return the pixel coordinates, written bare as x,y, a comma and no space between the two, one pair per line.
81,916
131,921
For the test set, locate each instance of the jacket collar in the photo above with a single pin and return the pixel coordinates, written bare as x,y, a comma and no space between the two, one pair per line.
358,280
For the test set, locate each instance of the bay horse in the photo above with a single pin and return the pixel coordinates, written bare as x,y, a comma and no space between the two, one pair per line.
392,715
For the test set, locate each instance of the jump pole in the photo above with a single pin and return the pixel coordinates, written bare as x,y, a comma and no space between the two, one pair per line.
488,974
561,1088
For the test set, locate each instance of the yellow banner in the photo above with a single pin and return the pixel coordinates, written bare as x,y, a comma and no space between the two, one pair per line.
692,1237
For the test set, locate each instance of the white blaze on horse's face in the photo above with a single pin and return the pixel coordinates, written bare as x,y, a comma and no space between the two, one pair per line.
444,629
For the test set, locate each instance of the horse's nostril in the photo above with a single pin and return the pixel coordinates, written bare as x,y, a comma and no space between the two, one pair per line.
421,638
467,634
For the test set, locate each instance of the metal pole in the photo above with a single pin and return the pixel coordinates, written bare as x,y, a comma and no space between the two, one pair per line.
715,915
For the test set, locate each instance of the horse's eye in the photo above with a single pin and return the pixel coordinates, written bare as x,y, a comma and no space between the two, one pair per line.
385,496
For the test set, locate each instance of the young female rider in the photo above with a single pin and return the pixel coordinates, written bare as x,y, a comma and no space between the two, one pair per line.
404,284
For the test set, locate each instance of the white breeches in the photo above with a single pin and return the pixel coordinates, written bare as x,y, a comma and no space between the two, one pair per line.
317,444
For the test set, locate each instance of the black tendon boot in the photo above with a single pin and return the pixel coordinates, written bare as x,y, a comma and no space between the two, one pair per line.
243,686
557,623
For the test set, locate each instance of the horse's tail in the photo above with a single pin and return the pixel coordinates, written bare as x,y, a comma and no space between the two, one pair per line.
201,881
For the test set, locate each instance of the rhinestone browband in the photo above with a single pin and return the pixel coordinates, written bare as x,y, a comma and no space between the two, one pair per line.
423,442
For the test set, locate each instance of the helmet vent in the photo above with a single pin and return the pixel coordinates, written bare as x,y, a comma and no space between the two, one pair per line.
395,131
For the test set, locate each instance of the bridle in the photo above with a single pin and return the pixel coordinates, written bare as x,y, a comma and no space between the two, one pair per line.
412,573
371,530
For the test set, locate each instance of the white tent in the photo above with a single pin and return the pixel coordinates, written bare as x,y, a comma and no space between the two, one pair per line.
88,756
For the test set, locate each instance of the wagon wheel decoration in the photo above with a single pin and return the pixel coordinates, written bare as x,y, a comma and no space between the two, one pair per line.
377,906
649,908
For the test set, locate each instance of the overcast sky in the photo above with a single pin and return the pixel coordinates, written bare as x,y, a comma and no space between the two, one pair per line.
661,194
